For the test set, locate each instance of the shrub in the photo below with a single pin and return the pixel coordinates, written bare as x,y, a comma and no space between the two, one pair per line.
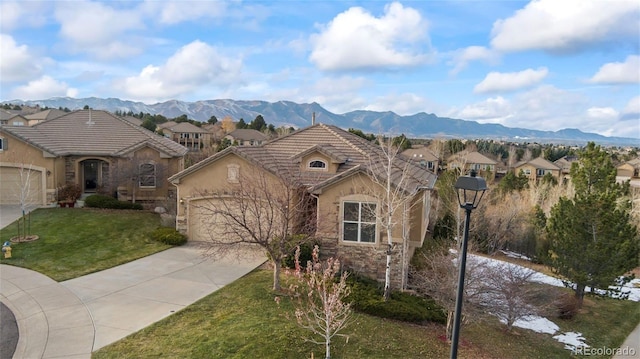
69,192
102,201
366,297
306,255
567,306
168,235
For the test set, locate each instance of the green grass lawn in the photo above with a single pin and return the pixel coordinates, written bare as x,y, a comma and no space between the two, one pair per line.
77,241
242,320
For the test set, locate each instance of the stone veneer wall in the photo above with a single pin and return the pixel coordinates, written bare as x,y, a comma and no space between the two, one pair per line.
365,260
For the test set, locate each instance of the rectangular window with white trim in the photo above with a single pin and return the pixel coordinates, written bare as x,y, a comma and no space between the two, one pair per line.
359,222
147,177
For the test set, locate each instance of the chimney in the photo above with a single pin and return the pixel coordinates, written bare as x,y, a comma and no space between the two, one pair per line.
313,118
90,122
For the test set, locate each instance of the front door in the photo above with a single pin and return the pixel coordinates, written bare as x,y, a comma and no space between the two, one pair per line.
91,171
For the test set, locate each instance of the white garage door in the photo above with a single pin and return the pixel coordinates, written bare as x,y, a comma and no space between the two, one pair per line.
14,185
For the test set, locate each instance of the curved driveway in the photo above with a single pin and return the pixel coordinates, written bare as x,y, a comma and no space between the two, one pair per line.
73,318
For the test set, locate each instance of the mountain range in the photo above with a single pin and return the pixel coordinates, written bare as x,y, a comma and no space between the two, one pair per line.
287,113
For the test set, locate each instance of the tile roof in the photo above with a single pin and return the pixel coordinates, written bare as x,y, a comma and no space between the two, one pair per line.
46,115
472,157
92,132
247,134
540,163
358,155
185,127
420,153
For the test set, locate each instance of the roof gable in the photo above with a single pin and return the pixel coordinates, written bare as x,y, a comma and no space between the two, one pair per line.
92,132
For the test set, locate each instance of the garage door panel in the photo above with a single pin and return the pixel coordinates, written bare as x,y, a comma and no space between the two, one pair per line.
205,224
12,188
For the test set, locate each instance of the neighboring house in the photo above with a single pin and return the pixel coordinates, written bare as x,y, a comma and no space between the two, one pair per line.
565,164
190,136
537,168
247,137
93,149
16,120
5,115
629,169
333,166
467,161
45,115
424,157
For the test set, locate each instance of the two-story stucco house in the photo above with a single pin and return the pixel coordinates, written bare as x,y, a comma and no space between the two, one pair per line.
538,168
335,169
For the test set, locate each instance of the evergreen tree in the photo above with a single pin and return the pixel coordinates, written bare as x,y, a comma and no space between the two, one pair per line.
241,124
591,237
213,120
258,124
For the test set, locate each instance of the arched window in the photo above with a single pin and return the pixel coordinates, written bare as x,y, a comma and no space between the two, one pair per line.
317,164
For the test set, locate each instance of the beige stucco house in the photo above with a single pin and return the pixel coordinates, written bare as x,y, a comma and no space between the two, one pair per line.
538,168
630,169
187,134
335,169
246,137
466,161
424,157
96,150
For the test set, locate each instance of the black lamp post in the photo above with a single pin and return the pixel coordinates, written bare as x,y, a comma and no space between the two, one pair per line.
470,190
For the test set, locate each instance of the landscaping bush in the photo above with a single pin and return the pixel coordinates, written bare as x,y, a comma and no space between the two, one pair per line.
306,250
567,306
168,235
366,297
102,201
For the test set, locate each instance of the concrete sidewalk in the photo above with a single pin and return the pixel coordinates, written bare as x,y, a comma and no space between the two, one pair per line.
73,318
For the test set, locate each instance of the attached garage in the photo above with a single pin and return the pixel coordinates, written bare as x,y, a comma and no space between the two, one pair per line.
16,181
206,224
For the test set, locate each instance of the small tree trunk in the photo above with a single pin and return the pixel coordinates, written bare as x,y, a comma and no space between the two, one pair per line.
276,275
449,330
327,348
579,294
387,274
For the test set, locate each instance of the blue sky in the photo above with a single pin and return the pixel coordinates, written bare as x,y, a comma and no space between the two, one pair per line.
544,64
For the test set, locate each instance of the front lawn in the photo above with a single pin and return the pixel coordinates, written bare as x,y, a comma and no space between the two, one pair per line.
242,320
78,241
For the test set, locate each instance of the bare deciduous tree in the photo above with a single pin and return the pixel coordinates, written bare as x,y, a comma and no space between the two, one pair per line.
509,294
25,193
437,277
321,308
273,212
390,177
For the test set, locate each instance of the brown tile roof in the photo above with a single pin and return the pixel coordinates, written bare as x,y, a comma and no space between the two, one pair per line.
359,155
472,157
184,127
247,134
46,115
420,153
92,132
540,163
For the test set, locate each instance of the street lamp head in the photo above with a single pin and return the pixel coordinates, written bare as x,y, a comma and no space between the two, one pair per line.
470,190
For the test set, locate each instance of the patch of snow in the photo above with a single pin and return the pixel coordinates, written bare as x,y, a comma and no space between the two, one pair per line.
571,340
515,255
537,324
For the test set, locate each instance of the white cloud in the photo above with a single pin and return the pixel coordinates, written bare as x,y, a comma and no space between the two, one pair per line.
602,113
44,87
173,12
510,81
403,104
18,63
619,72
192,67
96,28
461,58
14,14
633,106
355,39
567,25
492,110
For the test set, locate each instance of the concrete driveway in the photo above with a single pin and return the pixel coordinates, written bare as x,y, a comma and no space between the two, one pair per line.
10,213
